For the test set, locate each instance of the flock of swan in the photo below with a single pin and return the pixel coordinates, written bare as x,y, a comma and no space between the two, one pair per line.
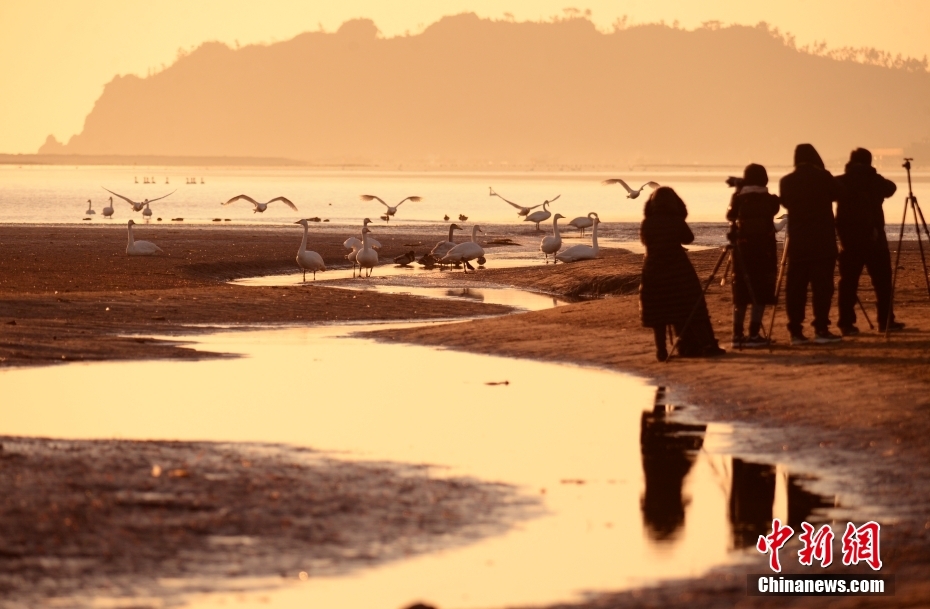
363,252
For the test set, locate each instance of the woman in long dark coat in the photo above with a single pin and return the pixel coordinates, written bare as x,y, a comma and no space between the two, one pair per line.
755,261
670,288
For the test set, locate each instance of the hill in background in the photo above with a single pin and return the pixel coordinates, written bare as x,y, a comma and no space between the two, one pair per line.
470,92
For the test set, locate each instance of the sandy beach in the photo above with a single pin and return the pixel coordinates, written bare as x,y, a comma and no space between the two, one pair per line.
860,407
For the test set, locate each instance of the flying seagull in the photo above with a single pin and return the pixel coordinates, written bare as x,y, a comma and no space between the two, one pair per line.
632,194
136,206
261,207
391,210
521,211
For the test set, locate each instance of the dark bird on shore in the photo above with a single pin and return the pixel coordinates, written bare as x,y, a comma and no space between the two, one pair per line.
391,209
463,218
446,217
429,261
405,259
136,205
261,207
631,194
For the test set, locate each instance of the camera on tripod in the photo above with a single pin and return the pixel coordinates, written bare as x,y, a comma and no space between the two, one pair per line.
734,182
907,163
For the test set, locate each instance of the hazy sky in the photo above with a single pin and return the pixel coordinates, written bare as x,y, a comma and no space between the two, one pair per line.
55,56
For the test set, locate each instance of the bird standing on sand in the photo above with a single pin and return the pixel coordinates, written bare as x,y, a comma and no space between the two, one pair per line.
147,212
405,259
540,216
308,260
631,194
90,210
108,211
442,248
463,252
261,207
355,244
583,222
581,252
521,211
136,205
367,257
391,210
463,218
140,248
551,244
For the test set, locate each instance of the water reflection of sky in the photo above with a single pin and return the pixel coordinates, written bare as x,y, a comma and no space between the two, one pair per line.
576,437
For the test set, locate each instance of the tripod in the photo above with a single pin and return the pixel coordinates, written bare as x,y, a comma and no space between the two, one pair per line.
911,201
697,305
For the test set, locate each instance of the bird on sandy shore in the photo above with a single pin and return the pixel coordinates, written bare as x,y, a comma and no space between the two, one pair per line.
147,212
540,216
355,244
442,248
463,252
583,222
308,260
367,257
405,259
391,209
140,248
108,210
90,209
521,211
581,252
463,218
261,207
631,194
136,205
551,244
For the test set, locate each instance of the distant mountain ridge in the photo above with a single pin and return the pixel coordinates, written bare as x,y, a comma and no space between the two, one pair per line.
476,92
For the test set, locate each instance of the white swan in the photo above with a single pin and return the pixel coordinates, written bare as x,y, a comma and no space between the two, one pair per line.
108,211
582,252
136,205
442,248
367,257
140,248
582,222
307,260
521,211
355,244
90,210
631,194
147,212
552,244
540,216
391,210
259,207
463,252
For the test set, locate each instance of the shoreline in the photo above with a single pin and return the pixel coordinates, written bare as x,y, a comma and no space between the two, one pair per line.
814,404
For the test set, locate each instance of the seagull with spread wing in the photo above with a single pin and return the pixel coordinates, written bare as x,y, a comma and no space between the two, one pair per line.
391,210
631,194
521,211
136,205
261,207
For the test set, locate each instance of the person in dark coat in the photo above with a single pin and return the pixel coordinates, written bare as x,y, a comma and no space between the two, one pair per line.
860,225
808,194
755,260
670,287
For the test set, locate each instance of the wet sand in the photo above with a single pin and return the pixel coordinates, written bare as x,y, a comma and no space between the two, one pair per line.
860,407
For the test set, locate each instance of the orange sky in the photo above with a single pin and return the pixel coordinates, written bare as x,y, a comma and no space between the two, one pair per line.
56,56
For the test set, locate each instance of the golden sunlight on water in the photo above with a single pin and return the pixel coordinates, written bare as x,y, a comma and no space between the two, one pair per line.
568,435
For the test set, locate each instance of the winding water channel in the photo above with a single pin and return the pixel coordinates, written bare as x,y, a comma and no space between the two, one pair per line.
631,495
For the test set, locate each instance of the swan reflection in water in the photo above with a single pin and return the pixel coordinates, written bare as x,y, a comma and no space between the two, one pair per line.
756,492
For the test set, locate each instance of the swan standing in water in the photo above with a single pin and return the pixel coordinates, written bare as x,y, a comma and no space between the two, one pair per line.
90,210
108,211
631,194
442,248
147,212
582,222
307,260
463,252
582,252
540,216
552,244
355,244
391,210
367,257
140,248
258,207
136,205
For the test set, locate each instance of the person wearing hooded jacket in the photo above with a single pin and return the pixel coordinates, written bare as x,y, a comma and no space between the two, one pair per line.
808,194
670,293
755,261
860,225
